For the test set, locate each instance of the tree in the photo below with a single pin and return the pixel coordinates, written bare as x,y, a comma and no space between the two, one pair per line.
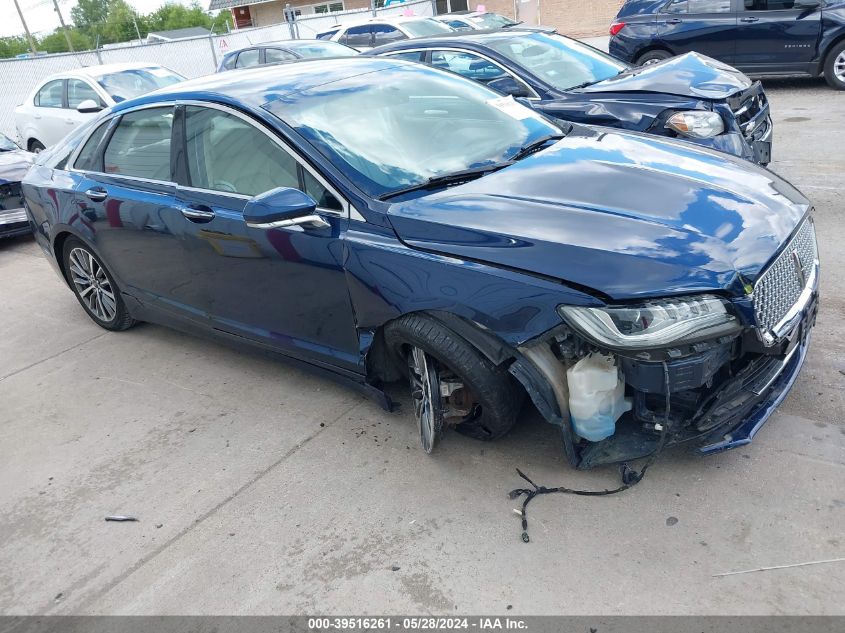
56,42
13,46
87,14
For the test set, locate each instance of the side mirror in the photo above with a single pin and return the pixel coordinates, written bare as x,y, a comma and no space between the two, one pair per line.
282,207
507,85
806,4
88,106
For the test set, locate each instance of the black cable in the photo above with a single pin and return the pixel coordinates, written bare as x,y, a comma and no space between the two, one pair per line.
630,477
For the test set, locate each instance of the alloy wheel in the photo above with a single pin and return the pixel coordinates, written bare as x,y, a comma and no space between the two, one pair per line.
425,390
92,285
839,66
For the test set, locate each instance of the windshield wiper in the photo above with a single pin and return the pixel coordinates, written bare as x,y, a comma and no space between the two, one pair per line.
453,178
536,145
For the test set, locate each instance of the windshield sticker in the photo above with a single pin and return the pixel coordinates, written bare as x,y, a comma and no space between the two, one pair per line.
513,108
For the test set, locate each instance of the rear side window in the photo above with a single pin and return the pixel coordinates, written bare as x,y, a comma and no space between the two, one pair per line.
357,36
140,145
50,96
385,34
247,58
409,56
699,6
87,159
276,55
229,62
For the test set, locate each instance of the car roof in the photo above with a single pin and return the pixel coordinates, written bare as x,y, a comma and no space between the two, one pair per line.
257,85
92,72
479,38
400,19
284,43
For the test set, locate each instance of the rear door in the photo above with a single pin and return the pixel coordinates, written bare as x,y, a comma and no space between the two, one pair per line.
282,287
702,26
773,35
50,114
128,197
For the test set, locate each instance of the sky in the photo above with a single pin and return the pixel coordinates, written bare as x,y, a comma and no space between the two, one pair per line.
41,17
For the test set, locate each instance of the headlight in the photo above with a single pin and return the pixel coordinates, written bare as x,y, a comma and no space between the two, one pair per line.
653,324
696,124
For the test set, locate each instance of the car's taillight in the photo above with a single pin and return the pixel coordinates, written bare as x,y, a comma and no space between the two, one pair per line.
616,27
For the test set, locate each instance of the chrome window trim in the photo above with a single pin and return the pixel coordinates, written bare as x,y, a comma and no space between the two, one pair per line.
536,97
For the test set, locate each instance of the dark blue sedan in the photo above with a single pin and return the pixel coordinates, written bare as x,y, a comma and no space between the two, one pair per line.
692,98
282,51
760,37
377,219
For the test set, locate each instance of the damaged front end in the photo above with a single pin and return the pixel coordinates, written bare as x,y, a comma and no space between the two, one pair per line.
711,370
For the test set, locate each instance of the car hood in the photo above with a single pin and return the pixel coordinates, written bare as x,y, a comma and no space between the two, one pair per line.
626,215
690,75
14,165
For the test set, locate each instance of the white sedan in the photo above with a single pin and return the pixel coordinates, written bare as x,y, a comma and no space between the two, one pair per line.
377,31
65,100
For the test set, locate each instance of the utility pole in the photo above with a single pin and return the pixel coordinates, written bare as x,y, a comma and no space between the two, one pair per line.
26,28
137,32
64,26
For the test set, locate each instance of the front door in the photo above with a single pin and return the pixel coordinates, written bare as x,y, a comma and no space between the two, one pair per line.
702,26
282,287
775,36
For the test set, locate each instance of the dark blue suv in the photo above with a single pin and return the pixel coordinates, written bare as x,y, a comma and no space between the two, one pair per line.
756,36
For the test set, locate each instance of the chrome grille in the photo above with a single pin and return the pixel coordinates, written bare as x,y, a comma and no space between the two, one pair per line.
780,286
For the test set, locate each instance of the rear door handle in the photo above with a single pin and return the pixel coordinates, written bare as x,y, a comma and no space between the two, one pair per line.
674,21
70,121
97,194
749,19
198,213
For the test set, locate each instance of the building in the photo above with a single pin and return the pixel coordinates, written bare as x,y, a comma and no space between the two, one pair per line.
570,17
248,13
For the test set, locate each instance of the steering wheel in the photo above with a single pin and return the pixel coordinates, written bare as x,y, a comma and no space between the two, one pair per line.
224,185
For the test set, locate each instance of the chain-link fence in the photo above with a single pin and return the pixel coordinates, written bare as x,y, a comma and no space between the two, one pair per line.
190,57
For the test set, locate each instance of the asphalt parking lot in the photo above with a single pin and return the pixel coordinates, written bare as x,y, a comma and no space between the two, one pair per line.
261,489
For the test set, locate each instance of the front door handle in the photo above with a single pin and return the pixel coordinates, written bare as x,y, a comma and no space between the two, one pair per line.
70,121
749,19
97,194
199,213
313,221
674,21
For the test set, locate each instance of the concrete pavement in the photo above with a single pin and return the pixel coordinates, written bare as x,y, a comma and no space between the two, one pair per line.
261,489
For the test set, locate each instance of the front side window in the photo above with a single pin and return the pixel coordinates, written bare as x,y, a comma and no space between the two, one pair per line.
79,91
699,6
768,5
467,64
277,55
229,62
140,145
87,159
248,58
562,63
490,21
405,124
135,82
385,34
227,154
50,96
358,36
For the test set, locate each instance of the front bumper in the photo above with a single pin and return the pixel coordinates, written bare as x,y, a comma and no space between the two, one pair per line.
13,218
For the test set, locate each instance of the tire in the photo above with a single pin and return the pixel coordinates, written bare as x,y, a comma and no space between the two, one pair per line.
36,146
652,57
834,67
496,396
102,301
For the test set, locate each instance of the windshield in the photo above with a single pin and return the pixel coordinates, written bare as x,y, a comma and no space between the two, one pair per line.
490,21
6,145
408,125
128,84
323,49
561,62
421,28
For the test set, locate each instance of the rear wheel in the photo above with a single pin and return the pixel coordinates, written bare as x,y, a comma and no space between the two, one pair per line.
653,57
94,287
36,146
834,67
452,383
